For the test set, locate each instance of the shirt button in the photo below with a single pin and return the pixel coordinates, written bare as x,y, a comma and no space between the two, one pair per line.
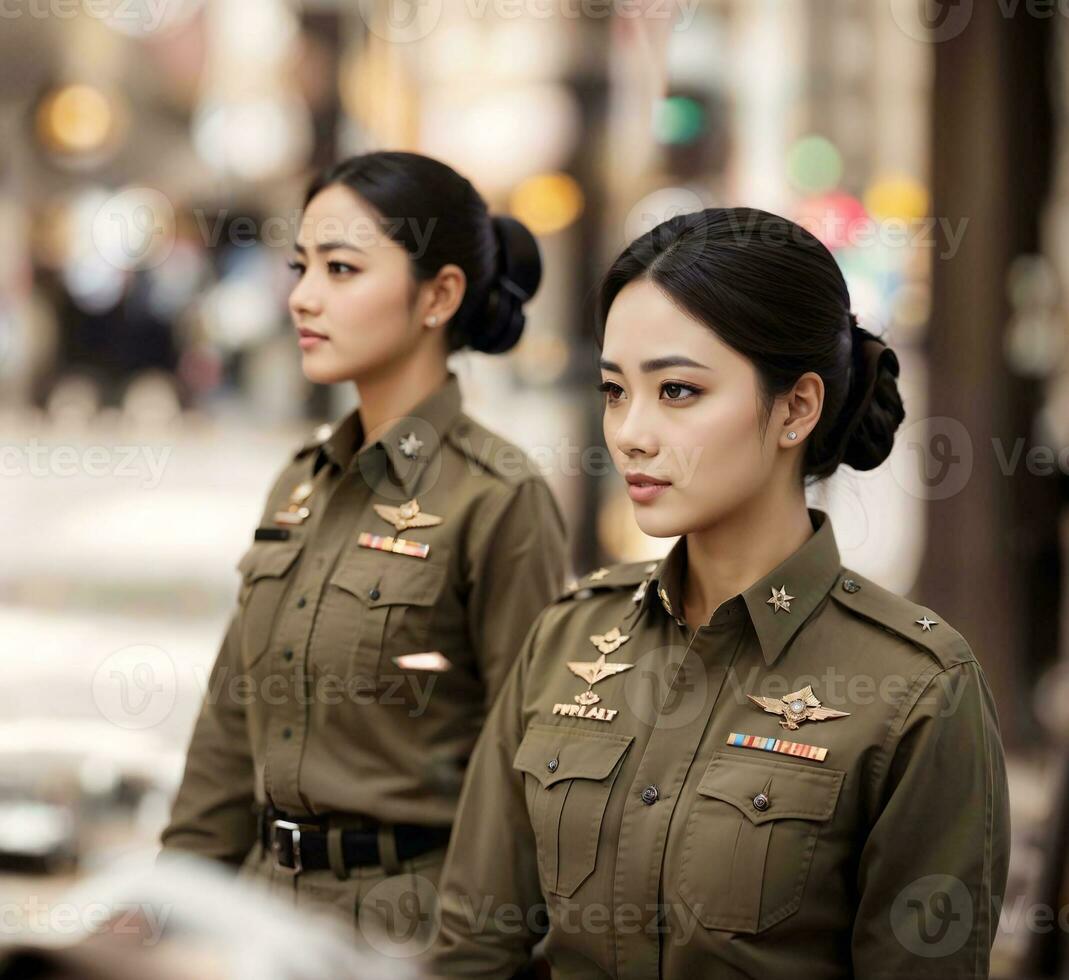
374,594
649,795
287,654
302,602
287,732
552,765
760,802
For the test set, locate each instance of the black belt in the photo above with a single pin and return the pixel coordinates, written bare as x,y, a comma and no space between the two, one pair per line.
300,843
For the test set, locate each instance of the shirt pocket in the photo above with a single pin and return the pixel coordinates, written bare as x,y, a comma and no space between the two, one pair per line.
745,864
570,775
265,574
374,610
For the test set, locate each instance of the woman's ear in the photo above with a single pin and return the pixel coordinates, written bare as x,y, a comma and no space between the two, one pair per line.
441,296
803,403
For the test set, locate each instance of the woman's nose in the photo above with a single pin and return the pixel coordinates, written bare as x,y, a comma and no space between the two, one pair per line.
304,298
636,435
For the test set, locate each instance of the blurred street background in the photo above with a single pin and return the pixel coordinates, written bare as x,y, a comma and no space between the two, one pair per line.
153,159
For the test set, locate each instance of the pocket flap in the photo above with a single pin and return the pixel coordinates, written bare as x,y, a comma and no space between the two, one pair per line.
384,580
551,753
793,790
268,558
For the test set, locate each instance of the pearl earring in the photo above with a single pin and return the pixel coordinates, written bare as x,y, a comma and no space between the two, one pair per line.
433,321
792,435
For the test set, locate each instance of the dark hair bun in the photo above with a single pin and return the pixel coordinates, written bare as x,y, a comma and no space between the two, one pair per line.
875,403
519,272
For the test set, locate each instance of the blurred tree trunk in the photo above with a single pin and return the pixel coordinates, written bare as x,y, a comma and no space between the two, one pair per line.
991,565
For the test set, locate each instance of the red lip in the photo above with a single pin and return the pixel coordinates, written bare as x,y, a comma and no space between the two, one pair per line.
305,332
637,479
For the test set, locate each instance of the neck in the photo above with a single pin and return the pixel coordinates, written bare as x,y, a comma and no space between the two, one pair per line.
392,393
727,557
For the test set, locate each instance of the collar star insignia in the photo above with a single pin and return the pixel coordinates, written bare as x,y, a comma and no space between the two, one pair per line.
640,591
609,642
926,624
598,575
593,671
407,515
780,600
410,445
796,708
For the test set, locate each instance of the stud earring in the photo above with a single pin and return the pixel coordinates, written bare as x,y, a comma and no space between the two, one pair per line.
433,321
792,435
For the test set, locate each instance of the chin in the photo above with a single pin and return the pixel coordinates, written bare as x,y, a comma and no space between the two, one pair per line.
667,524
321,373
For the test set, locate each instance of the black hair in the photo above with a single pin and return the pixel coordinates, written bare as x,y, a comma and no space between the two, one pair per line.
440,219
772,291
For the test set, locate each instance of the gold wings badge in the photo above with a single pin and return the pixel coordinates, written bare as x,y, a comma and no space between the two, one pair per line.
801,706
593,671
609,642
407,515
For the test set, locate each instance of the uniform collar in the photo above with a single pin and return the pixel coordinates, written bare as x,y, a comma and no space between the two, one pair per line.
420,431
807,575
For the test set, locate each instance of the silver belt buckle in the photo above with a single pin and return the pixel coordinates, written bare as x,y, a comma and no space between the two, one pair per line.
295,839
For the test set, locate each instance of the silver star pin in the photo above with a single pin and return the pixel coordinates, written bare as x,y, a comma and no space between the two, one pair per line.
926,624
411,446
640,591
780,600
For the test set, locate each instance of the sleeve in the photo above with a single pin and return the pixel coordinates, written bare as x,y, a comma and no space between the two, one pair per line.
490,895
517,570
213,813
932,871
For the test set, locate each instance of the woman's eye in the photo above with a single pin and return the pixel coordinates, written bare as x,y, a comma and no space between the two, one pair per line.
296,267
339,268
678,392
611,390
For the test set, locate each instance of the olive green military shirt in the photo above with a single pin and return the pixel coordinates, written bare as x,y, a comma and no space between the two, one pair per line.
630,802
354,679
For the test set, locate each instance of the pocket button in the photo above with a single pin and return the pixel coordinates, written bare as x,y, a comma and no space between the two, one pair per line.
761,802
552,765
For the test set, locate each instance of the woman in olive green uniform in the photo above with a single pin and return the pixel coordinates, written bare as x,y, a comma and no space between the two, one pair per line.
399,561
743,760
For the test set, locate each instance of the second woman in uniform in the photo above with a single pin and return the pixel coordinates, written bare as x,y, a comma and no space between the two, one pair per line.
744,760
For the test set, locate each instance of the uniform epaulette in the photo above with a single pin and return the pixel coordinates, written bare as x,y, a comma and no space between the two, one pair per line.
491,452
319,436
897,614
626,575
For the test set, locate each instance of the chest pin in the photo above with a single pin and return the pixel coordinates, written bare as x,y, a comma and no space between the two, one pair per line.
296,512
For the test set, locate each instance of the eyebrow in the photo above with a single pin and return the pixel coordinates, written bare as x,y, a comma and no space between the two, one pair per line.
657,364
328,247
